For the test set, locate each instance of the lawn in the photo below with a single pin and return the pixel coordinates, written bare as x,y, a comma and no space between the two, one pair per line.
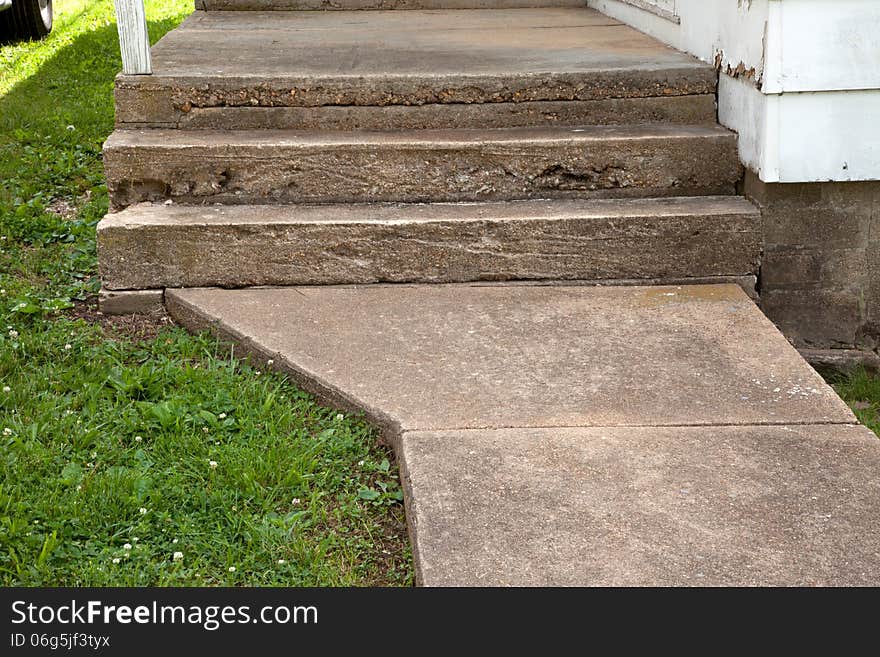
132,452
861,391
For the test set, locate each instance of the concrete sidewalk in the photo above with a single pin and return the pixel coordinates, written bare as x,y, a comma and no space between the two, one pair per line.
575,435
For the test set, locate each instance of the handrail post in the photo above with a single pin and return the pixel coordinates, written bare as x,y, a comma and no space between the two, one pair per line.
134,42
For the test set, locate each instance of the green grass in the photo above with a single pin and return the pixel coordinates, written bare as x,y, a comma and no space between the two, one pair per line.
119,451
861,391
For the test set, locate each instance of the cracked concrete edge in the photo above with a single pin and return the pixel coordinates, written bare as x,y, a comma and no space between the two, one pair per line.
180,93
194,319
152,110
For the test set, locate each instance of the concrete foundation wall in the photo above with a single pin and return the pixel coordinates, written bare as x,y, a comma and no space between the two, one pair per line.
820,277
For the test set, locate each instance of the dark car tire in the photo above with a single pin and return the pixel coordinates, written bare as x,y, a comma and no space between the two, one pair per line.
27,19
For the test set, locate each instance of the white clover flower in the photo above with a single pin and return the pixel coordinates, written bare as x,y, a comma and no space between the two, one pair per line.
142,511
178,556
12,332
295,501
281,562
258,372
174,541
231,569
127,546
138,439
116,559
134,539
68,347
212,465
7,389
340,417
7,431
361,463
222,416
270,362
205,429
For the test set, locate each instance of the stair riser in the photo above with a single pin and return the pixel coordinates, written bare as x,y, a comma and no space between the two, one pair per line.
301,5
161,100
422,172
230,255
683,110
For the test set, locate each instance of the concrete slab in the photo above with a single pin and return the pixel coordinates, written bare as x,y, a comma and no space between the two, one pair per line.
271,166
703,506
465,356
326,5
309,59
157,246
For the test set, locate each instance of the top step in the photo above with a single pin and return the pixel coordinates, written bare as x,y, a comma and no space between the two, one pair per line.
246,70
328,5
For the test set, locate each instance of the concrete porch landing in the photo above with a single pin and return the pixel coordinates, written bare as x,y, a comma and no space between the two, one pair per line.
579,435
371,70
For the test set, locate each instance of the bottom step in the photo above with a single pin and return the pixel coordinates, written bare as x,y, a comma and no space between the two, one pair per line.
156,246
583,435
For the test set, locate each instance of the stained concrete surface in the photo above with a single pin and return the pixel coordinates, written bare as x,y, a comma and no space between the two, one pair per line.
646,506
157,245
464,356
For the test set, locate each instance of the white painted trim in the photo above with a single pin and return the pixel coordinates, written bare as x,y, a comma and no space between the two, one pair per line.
803,137
654,8
799,79
134,41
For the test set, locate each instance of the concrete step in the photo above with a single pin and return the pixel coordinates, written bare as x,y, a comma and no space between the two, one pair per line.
330,5
583,435
413,70
156,246
274,166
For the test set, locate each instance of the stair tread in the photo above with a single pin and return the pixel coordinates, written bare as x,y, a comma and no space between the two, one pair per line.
382,5
394,44
172,138
153,246
143,214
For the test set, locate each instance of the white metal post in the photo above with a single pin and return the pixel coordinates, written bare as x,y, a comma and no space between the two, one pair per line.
134,42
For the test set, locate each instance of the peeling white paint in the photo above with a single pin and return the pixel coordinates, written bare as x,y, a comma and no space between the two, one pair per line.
800,79
709,28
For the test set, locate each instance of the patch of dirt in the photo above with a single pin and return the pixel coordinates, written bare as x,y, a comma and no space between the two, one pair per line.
138,328
63,208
